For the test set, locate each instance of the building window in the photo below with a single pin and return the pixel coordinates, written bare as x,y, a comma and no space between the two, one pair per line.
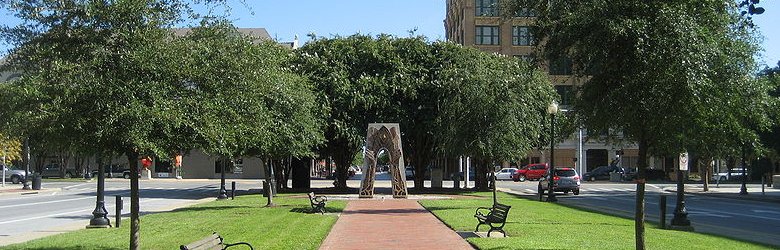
566,92
486,8
560,66
522,36
487,35
525,12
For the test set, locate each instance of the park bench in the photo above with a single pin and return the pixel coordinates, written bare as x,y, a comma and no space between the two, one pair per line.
495,217
317,202
213,241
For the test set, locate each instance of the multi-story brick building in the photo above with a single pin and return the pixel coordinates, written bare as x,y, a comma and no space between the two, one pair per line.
479,24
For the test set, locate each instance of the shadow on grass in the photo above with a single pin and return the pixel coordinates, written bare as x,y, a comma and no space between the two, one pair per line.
196,209
433,208
569,223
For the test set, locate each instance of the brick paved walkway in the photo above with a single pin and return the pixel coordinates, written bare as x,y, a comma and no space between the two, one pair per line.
390,224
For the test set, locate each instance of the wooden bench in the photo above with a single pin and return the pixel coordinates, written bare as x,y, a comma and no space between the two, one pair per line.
213,241
317,202
495,217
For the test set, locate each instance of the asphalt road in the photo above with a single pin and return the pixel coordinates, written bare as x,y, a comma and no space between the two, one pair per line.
741,219
71,205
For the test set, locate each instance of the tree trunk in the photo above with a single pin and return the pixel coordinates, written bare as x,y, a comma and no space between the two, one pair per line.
278,173
343,160
704,170
422,146
639,217
301,177
480,175
135,235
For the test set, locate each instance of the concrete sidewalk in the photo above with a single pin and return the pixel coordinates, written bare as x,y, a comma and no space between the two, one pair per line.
390,224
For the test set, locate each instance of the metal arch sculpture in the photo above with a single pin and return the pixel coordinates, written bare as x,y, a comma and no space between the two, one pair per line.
385,136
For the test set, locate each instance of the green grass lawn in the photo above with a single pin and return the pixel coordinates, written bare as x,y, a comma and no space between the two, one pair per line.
539,225
289,225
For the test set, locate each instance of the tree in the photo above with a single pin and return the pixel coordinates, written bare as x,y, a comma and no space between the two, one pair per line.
448,99
353,79
101,74
245,97
494,107
672,75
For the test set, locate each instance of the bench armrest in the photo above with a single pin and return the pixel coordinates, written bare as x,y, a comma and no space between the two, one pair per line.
481,208
239,243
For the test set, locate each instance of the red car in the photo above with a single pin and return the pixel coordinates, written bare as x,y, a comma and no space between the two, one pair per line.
530,172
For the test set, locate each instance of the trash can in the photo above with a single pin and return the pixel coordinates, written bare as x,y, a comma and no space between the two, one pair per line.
615,176
36,182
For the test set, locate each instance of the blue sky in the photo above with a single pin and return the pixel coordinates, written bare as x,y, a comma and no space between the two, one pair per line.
285,19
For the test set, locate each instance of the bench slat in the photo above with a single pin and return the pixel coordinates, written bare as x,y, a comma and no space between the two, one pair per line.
210,242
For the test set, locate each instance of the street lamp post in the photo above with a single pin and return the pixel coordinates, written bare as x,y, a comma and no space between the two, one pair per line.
743,188
100,214
26,186
552,110
680,220
222,191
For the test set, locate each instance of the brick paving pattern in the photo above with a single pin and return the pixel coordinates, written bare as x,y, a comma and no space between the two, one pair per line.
390,224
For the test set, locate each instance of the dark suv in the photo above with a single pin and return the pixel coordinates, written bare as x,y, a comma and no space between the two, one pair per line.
114,171
564,180
602,173
53,170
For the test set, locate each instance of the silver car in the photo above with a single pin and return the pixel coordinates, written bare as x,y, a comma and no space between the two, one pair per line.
564,180
13,174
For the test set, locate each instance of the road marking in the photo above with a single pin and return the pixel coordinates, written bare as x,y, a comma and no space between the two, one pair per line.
45,202
707,214
72,186
66,213
765,211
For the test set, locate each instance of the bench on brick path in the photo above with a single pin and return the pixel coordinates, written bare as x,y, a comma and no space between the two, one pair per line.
317,202
495,217
213,241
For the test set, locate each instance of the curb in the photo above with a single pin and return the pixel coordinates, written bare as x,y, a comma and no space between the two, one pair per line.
751,196
20,192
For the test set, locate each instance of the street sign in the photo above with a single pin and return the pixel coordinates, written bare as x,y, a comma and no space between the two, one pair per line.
684,161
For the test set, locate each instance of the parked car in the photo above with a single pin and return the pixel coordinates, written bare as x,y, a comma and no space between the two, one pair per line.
564,180
13,174
734,174
53,170
602,173
114,171
505,174
530,172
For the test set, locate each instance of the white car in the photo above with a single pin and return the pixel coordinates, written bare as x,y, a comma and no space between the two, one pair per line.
15,175
736,174
505,174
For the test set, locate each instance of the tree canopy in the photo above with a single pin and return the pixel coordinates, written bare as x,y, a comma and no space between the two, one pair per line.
671,75
448,99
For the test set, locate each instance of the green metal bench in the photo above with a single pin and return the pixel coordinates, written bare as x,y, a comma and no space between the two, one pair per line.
495,217
317,202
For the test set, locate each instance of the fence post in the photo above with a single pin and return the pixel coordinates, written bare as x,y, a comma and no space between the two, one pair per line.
118,210
233,191
662,203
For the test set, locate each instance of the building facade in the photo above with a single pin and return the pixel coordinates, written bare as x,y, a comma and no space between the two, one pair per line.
479,24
